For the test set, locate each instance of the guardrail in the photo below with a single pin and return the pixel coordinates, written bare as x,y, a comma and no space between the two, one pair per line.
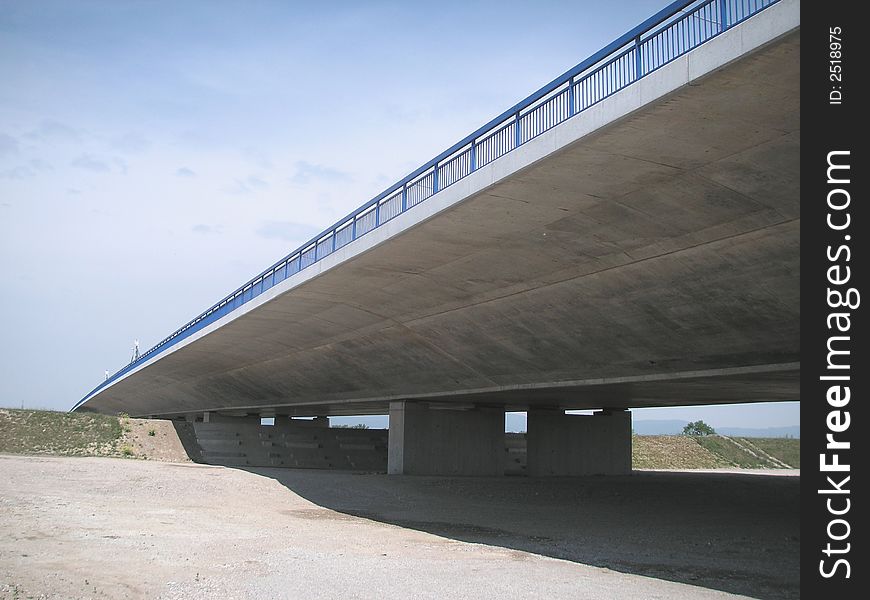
673,31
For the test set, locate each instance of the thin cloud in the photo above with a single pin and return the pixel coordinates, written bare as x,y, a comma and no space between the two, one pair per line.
184,172
383,180
248,185
306,173
287,231
33,168
130,143
257,157
256,182
41,166
204,229
89,163
55,131
8,145
19,172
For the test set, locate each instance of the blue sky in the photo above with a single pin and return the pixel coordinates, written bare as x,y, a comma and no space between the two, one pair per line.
154,155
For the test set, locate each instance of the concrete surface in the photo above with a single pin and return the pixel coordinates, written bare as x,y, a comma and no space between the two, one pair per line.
571,445
112,528
426,440
293,445
644,253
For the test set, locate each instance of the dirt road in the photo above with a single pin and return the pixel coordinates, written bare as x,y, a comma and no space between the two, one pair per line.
114,528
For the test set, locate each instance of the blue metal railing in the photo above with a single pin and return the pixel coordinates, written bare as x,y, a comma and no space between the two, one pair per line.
673,31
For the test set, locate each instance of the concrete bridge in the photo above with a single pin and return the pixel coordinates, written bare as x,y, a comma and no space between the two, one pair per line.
627,236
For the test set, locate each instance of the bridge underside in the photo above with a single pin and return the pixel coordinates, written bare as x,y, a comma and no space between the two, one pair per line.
767,384
652,262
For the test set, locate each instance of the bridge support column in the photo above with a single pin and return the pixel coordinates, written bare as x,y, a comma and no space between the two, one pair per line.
443,441
560,444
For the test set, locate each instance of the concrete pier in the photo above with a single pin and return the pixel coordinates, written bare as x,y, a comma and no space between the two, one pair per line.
562,444
435,440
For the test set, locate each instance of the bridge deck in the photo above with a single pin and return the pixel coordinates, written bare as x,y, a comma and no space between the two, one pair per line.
643,254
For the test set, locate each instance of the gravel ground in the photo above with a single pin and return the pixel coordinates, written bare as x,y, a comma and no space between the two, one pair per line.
114,528
766,472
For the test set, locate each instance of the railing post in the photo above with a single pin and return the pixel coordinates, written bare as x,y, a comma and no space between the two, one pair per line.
378,213
404,196
570,97
435,179
638,62
723,15
517,132
333,239
473,157
352,235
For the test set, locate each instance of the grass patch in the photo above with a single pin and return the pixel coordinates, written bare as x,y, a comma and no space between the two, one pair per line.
671,452
744,452
788,450
729,452
66,434
712,452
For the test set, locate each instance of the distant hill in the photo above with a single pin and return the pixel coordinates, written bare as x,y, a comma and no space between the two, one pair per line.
517,423
675,427
371,421
793,431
